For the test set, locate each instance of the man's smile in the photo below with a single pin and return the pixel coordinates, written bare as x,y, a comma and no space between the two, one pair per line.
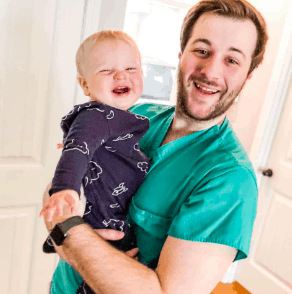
204,89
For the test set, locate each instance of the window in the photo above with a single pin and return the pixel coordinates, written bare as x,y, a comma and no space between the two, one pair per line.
155,26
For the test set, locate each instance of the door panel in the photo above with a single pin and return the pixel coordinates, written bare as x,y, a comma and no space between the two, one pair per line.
37,87
17,227
274,249
269,271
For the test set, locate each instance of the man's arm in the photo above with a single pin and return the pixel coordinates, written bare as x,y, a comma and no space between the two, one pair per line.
184,266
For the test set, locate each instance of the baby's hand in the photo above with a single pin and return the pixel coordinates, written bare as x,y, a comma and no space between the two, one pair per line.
58,201
60,146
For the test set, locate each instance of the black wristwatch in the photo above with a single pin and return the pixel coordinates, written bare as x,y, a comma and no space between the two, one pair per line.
59,232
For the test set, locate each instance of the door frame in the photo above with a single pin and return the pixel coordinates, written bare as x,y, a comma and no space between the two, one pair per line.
268,124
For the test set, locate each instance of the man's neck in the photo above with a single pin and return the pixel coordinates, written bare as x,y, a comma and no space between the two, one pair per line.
183,125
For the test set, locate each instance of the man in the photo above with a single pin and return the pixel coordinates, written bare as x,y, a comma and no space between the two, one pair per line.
196,208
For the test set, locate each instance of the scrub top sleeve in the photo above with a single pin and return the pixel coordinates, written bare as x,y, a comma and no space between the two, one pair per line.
221,211
86,134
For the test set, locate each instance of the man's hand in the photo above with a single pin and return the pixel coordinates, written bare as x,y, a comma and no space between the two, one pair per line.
57,203
113,235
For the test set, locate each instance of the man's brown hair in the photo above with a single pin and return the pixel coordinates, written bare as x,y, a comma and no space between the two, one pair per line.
235,9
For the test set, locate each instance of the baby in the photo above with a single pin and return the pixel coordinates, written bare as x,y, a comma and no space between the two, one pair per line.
101,139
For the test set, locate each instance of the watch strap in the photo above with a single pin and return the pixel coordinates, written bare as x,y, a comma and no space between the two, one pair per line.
59,232
70,223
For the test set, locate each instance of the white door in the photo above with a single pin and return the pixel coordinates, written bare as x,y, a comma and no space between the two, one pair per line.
39,40
269,271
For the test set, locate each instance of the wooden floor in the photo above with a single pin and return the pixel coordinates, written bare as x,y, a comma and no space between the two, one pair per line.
234,288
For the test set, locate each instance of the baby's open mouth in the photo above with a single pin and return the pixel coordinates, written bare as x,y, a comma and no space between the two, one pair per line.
121,90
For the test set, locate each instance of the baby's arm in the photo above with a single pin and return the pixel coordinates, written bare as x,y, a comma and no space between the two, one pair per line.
86,133
58,201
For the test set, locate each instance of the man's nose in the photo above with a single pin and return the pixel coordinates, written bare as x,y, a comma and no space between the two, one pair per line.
120,75
212,68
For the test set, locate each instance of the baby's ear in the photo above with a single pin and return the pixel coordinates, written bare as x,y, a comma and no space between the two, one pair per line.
83,84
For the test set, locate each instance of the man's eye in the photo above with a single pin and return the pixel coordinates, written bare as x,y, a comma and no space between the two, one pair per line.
232,61
202,52
105,70
130,68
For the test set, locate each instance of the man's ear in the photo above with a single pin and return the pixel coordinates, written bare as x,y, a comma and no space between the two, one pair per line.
179,55
83,84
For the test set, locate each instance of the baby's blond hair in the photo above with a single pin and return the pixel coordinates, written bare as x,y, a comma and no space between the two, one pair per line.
88,44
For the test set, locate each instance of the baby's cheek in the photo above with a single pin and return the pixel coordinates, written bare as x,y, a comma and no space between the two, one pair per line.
139,84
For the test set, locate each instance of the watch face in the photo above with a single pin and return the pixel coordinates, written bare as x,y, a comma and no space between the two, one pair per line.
57,235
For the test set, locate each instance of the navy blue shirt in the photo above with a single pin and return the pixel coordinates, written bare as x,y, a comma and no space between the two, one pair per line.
101,151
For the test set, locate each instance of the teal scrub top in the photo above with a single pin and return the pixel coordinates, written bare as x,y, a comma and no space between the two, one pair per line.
200,187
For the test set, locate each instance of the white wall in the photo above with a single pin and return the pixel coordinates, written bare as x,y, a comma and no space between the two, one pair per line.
252,98
112,14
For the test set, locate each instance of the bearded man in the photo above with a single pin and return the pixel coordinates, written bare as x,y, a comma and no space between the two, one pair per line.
194,213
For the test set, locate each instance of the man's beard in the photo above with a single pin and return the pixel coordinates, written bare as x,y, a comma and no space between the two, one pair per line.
225,101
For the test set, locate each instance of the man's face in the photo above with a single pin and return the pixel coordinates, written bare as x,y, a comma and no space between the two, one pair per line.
214,65
113,74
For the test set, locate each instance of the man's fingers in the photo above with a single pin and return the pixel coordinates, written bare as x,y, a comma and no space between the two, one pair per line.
133,252
112,235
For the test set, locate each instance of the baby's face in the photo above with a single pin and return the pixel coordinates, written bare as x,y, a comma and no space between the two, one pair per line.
114,75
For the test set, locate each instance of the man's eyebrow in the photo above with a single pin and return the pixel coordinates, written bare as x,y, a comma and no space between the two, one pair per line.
206,41
237,50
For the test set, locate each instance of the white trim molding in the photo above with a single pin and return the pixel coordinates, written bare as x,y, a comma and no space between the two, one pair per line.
274,101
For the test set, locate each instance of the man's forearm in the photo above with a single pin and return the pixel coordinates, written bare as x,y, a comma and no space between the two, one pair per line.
104,268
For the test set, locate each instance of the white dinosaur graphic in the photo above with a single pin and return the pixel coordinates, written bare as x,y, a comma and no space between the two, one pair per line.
97,169
86,106
115,222
87,208
108,148
110,115
116,205
143,166
138,116
101,110
136,147
120,189
82,148
86,181
128,136
68,114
